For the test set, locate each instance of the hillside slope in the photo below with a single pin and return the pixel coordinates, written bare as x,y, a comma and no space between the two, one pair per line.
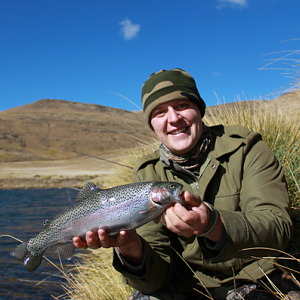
39,130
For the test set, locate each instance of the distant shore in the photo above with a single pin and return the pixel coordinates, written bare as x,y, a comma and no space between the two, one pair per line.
28,183
50,174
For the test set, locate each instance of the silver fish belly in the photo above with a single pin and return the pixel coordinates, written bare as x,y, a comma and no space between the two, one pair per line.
120,208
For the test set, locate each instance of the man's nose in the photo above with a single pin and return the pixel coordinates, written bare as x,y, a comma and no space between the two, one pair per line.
173,115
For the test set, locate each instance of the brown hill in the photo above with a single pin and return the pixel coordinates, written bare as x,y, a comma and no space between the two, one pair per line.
32,135
39,130
289,100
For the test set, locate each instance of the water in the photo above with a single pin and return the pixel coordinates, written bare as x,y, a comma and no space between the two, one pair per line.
22,214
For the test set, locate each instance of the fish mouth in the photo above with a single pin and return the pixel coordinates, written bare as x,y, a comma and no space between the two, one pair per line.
162,196
178,190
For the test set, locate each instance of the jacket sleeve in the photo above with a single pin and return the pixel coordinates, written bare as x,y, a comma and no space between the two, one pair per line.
263,218
158,270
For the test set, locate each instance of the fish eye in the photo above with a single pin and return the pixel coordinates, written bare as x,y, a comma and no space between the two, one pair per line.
172,186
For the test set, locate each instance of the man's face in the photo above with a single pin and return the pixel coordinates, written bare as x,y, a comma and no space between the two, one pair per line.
178,125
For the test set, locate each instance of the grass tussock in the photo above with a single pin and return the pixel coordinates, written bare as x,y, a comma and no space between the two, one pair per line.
95,278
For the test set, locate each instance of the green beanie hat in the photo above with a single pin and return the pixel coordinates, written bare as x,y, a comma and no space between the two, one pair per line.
164,86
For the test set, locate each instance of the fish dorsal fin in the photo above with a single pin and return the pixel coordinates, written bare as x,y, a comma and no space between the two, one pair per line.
88,189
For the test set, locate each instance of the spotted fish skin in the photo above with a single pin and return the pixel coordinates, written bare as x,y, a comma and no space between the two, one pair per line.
120,208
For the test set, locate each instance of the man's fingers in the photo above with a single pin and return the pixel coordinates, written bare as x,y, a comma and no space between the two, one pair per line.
79,243
121,237
190,199
92,240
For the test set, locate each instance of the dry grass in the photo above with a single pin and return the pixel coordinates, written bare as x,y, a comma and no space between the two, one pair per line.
121,175
94,278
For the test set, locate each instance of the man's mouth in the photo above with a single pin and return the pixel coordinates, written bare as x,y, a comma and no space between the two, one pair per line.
177,131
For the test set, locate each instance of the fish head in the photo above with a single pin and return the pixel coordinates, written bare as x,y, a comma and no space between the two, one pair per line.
165,193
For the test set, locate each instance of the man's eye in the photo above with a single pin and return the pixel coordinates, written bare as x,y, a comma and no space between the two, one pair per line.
181,105
158,113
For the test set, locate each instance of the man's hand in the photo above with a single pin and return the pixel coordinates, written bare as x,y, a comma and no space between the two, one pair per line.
191,221
128,243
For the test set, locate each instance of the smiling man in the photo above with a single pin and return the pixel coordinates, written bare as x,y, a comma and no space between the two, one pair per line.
237,199
177,125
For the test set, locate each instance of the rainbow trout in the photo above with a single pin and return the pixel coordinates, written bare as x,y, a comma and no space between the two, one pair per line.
120,208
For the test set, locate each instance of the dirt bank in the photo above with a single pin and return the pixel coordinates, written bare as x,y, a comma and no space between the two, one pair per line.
51,174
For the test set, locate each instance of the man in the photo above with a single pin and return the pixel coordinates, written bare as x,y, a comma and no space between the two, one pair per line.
237,203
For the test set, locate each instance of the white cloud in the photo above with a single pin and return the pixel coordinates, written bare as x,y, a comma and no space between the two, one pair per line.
217,74
129,30
232,3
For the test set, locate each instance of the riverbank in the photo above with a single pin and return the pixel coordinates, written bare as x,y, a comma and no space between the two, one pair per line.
52,174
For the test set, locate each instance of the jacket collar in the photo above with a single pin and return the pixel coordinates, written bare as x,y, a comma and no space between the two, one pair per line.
221,144
223,141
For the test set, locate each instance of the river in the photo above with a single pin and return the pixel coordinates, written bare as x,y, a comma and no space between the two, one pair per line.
22,214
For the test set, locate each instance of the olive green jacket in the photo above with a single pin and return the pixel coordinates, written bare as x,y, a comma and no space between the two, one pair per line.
244,181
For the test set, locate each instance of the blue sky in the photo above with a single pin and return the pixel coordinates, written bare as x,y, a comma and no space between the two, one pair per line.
90,51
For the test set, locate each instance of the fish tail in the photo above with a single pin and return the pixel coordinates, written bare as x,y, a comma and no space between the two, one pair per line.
20,251
30,262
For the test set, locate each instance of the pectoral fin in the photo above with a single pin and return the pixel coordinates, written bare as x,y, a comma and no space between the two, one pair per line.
157,219
150,210
65,250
